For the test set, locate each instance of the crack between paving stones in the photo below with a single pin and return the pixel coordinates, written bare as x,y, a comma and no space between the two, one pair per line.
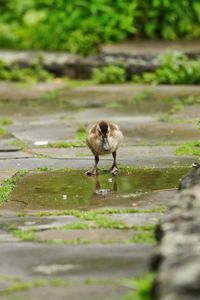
58,158
20,201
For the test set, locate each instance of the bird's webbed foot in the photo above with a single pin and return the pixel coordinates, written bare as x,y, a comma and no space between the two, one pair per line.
93,172
114,170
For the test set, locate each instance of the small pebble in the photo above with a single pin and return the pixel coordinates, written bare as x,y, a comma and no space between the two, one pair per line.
29,223
64,197
41,143
110,180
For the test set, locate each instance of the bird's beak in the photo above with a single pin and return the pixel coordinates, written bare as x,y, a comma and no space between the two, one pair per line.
106,146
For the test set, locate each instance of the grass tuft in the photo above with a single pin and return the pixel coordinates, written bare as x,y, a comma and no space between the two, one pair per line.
9,184
191,148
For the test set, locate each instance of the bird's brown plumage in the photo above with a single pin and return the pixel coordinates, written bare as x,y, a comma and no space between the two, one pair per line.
103,138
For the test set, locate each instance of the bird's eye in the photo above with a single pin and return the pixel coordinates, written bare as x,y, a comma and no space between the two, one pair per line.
99,131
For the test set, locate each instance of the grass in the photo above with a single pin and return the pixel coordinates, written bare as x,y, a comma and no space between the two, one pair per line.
144,237
9,184
81,134
77,225
190,148
105,222
3,132
80,241
145,227
25,235
63,144
5,121
21,214
19,144
18,286
43,169
87,215
33,73
101,221
142,287
109,74
177,104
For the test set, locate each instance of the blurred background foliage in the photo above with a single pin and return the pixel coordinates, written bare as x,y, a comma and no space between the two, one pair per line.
79,26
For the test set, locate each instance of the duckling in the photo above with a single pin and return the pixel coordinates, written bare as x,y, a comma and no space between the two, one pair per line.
104,138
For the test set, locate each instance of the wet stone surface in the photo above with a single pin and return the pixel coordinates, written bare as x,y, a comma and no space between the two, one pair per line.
109,234
102,261
139,219
72,189
86,235
37,223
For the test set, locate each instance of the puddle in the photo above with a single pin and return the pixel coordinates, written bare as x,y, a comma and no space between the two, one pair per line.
58,190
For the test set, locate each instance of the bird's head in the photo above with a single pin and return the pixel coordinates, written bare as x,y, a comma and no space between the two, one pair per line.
103,130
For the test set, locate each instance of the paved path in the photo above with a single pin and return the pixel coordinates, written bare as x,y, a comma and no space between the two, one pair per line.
49,252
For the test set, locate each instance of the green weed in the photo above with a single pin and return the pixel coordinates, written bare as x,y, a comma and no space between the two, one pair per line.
19,144
190,148
26,235
142,287
81,134
3,132
175,68
5,121
7,186
109,74
63,144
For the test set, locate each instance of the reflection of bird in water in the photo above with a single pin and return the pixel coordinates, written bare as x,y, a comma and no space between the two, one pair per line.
191,178
104,197
100,191
104,138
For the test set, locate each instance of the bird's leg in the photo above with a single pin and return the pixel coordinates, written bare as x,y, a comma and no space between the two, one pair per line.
114,169
98,186
115,187
94,170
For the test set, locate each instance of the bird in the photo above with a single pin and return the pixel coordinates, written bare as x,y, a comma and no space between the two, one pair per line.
191,178
103,138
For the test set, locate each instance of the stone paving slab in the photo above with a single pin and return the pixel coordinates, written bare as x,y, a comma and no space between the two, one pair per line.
14,155
32,260
84,163
76,291
160,90
5,146
52,131
154,199
6,174
38,223
126,151
190,112
7,237
89,235
137,219
141,47
15,91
